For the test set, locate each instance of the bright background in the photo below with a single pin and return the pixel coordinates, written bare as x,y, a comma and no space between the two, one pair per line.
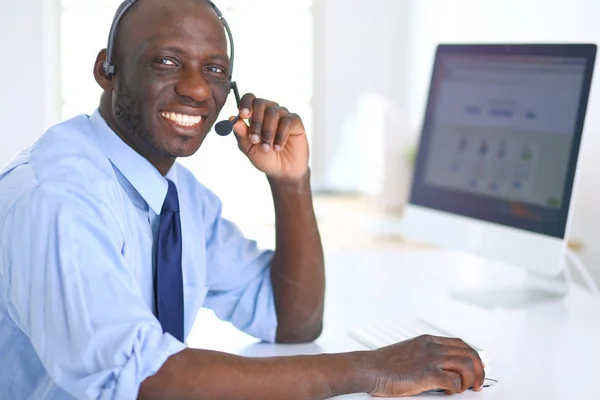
356,71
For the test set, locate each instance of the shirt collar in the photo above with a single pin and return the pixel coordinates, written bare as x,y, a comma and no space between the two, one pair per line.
142,175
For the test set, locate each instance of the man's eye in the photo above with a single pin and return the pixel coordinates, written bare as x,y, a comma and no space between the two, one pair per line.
216,70
165,61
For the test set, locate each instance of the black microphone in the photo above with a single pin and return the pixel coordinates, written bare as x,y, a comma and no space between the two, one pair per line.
224,128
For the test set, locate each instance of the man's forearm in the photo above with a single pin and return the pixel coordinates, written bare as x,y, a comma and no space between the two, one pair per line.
201,374
297,268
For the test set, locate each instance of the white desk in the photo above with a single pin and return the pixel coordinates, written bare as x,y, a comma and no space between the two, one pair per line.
545,351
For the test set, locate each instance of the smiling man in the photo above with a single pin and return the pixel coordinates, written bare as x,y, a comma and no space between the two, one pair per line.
108,247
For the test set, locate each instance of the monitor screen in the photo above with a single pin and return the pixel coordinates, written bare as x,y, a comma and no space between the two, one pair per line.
502,133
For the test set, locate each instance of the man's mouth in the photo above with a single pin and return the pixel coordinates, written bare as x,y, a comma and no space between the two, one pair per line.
184,120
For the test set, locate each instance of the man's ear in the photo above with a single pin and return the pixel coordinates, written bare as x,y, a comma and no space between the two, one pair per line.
106,83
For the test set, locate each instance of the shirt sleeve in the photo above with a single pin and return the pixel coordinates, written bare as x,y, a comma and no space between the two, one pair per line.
238,276
71,292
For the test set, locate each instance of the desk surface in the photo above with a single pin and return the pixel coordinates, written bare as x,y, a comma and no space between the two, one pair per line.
545,351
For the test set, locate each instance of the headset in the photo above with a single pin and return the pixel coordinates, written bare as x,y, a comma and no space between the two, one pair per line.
109,68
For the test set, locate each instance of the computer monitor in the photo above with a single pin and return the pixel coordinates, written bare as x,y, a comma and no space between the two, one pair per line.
497,159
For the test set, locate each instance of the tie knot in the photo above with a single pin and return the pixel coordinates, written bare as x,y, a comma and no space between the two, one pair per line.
171,203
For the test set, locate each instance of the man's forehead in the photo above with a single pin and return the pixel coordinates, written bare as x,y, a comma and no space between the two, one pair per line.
192,21
165,5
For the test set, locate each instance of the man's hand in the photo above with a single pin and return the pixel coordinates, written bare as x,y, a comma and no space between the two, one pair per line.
425,363
275,142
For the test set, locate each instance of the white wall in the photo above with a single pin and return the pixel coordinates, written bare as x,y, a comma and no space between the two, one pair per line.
29,100
360,60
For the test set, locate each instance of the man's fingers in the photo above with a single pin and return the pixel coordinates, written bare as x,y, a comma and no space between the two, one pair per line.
462,366
477,364
256,122
241,132
239,127
448,381
457,347
269,127
283,131
247,105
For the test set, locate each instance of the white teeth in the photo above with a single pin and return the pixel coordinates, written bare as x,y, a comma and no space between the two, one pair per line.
182,119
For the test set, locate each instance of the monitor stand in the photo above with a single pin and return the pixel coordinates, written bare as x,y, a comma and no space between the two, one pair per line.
535,289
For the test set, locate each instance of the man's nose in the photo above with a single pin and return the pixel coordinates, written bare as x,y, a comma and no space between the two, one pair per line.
193,86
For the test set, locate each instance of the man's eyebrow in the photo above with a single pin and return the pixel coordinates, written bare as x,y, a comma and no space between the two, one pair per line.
219,57
179,50
172,49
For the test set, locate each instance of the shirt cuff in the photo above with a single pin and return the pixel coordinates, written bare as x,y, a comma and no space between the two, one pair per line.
147,358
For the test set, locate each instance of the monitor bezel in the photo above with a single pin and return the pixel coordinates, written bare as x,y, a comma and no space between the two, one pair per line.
436,198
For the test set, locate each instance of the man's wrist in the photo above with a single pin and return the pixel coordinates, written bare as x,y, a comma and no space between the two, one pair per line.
358,372
299,185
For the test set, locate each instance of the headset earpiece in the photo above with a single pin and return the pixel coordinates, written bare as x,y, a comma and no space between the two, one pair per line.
108,69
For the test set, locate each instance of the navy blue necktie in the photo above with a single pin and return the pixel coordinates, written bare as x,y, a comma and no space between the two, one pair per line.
169,278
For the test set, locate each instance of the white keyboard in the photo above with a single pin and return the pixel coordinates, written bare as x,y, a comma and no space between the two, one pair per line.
381,335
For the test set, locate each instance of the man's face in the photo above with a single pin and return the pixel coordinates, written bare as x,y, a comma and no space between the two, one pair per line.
171,79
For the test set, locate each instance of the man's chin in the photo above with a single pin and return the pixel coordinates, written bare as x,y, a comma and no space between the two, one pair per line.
184,155
184,149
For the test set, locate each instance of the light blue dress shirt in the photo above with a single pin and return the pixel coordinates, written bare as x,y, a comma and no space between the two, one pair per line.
79,212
